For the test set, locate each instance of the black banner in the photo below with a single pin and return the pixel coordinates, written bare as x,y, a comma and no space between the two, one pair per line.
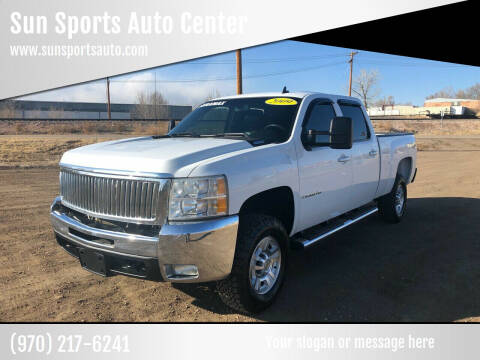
445,33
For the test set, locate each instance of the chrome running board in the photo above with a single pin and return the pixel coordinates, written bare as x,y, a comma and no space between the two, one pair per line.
319,232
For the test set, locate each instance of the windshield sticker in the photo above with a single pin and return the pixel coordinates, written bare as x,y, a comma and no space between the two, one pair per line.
213,103
281,101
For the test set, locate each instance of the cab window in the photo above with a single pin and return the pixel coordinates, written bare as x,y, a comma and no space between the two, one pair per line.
319,119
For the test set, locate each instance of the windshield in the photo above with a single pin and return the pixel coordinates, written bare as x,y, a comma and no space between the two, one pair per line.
259,120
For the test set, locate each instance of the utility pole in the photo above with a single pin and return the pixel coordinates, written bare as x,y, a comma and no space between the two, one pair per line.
108,100
239,71
352,54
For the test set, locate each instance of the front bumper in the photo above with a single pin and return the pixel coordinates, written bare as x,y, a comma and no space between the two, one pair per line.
208,245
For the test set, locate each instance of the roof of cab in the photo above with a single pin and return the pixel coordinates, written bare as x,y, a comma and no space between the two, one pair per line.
267,94
300,94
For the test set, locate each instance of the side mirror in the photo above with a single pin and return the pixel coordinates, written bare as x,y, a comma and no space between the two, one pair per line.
171,125
340,134
341,130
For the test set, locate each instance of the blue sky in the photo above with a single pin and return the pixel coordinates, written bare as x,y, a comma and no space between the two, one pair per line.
299,66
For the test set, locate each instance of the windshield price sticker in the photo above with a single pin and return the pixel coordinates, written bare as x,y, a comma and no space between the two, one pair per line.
281,101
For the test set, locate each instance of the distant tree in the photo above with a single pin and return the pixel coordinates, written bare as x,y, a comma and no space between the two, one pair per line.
365,86
149,106
385,101
213,94
461,94
446,92
473,92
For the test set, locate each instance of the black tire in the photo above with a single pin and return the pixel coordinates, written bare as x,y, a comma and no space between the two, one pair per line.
236,291
387,203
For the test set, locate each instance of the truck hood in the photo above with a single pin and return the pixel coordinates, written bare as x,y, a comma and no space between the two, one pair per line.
164,156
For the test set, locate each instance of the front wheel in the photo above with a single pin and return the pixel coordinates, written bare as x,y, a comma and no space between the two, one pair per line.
392,206
259,264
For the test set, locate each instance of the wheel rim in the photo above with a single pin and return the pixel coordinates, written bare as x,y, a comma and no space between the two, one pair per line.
265,265
399,200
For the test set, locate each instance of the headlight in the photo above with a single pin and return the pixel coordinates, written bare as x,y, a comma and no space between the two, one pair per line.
197,198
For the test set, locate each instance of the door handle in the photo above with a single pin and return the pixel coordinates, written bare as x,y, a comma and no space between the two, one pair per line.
372,153
343,159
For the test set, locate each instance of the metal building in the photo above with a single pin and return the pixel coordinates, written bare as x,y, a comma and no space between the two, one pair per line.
58,110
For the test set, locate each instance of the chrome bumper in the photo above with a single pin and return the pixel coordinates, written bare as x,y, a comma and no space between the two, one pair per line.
208,245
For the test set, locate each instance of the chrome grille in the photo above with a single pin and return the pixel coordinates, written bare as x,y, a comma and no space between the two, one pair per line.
140,200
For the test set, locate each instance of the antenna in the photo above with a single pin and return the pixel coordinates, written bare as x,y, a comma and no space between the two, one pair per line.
285,91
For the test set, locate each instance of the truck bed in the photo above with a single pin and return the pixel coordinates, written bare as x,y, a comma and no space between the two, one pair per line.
394,146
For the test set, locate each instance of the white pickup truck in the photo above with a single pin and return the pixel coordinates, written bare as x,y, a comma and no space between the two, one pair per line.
229,191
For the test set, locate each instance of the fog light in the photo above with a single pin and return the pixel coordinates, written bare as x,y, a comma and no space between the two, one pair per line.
181,271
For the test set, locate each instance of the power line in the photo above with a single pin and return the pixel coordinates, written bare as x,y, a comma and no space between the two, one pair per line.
233,78
370,60
264,60
297,70
408,64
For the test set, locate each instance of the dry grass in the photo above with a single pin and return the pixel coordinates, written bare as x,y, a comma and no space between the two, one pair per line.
448,143
40,144
432,135
26,151
83,127
429,127
419,127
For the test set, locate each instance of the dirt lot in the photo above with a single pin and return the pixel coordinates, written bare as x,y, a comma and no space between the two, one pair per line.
425,269
430,127
68,127
26,151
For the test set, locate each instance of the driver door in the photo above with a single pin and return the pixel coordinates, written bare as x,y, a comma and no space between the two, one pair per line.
325,174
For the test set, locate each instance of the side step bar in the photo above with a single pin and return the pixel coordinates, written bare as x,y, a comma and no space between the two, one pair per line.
320,232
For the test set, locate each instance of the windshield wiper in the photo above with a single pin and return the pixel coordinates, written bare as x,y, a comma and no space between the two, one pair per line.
191,134
184,134
231,134
160,136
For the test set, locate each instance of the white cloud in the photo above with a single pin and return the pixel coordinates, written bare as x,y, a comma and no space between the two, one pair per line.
90,92
195,93
125,89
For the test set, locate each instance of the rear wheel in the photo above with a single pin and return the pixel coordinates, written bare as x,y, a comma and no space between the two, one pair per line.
392,206
259,264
